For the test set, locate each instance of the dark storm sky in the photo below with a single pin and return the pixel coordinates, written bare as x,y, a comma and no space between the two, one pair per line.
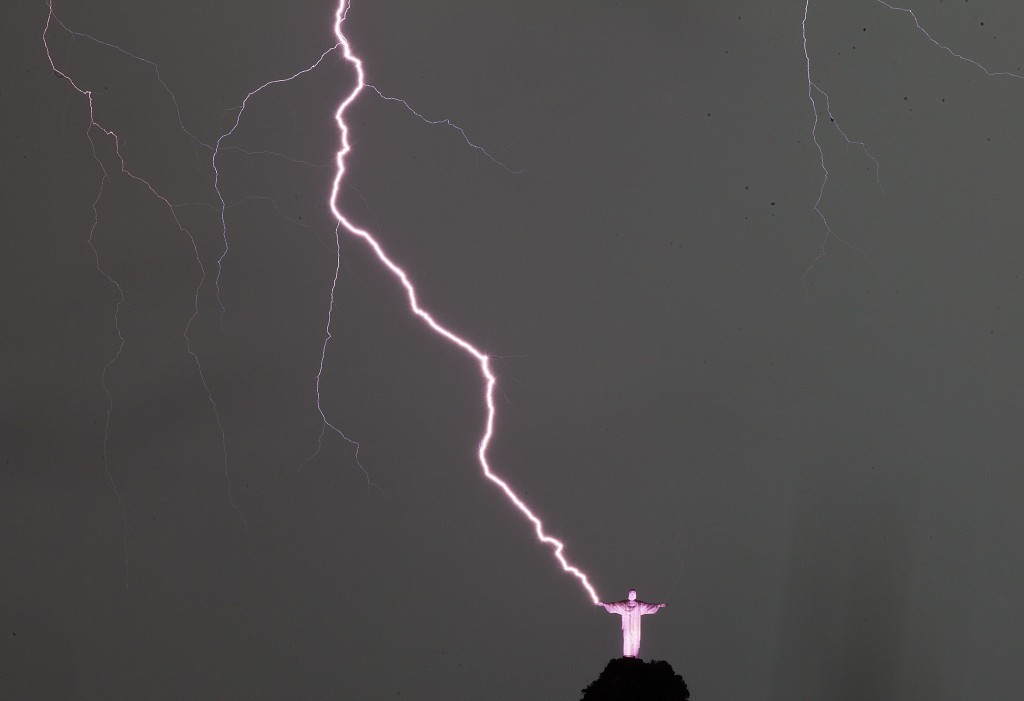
820,471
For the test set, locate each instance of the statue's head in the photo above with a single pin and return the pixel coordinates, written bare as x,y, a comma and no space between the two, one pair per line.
632,595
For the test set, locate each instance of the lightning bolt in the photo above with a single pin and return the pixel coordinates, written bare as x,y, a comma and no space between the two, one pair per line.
343,223
483,361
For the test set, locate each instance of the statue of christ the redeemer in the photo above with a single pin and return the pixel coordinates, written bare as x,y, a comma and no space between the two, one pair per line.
631,610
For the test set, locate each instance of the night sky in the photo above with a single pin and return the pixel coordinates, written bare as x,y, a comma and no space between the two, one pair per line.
809,444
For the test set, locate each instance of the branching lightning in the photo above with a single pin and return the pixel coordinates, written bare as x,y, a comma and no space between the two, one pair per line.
216,170
947,49
343,222
814,92
448,123
117,141
814,89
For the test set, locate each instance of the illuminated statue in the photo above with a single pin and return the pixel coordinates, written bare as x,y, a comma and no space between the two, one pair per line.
631,610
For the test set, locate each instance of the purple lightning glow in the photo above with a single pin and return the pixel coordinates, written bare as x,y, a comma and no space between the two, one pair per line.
490,381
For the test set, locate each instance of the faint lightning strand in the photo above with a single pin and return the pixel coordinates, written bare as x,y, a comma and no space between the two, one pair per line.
154,66
120,346
264,152
216,171
948,50
446,122
482,359
849,141
218,147
104,375
117,141
370,484
813,88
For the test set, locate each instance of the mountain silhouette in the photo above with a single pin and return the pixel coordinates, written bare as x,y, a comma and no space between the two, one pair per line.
631,679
